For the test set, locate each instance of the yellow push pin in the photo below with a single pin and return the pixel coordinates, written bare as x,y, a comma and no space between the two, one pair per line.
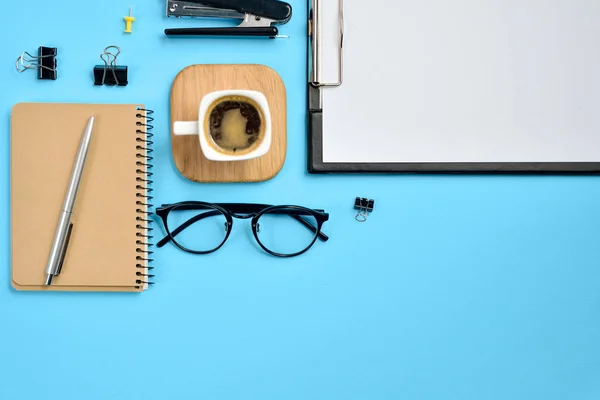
129,21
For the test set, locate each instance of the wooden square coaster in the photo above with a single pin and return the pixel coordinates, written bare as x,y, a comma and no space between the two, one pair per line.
195,81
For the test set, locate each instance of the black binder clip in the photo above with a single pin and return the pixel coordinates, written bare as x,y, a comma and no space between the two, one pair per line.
45,63
364,207
110,73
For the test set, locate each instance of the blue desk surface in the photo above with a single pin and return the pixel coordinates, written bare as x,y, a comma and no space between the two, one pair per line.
456,287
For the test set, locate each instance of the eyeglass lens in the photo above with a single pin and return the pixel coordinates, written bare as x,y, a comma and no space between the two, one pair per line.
281,230
197,230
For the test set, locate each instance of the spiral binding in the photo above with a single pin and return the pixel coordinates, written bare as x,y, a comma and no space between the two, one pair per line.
143,185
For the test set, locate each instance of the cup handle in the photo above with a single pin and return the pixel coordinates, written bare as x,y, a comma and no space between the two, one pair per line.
181,128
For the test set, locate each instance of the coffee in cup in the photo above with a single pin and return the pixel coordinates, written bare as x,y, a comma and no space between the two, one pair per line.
232,125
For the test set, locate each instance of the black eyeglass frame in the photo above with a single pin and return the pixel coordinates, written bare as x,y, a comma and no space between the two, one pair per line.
241,211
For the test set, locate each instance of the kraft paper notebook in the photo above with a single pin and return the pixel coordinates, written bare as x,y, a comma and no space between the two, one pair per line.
109,246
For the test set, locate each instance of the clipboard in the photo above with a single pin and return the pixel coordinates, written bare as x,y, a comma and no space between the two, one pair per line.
488,86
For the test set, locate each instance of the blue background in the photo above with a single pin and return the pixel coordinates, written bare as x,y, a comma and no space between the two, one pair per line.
456,288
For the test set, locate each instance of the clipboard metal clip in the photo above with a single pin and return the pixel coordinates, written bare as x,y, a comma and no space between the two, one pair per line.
315,34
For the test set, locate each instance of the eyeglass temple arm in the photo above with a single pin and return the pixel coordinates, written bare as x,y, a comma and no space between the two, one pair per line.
199,217
307,224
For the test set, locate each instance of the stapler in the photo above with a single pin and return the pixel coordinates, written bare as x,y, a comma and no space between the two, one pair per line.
259,17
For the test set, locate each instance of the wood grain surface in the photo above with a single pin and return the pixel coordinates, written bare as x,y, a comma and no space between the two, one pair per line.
195,81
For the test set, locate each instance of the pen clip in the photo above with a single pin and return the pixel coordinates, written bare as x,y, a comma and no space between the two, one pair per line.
63,252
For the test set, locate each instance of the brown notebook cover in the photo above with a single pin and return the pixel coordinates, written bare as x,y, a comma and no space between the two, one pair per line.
108,249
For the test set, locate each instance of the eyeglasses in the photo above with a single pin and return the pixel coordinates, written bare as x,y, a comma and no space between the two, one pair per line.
201,228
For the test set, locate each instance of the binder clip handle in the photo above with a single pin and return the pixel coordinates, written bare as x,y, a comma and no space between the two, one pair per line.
110,73
365,207
45,63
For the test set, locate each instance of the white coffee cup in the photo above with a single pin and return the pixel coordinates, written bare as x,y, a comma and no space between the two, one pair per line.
201,127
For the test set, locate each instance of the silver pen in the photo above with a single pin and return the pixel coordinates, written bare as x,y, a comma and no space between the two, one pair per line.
63,231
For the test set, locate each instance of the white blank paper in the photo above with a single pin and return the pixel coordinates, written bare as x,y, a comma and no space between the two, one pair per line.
463,81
